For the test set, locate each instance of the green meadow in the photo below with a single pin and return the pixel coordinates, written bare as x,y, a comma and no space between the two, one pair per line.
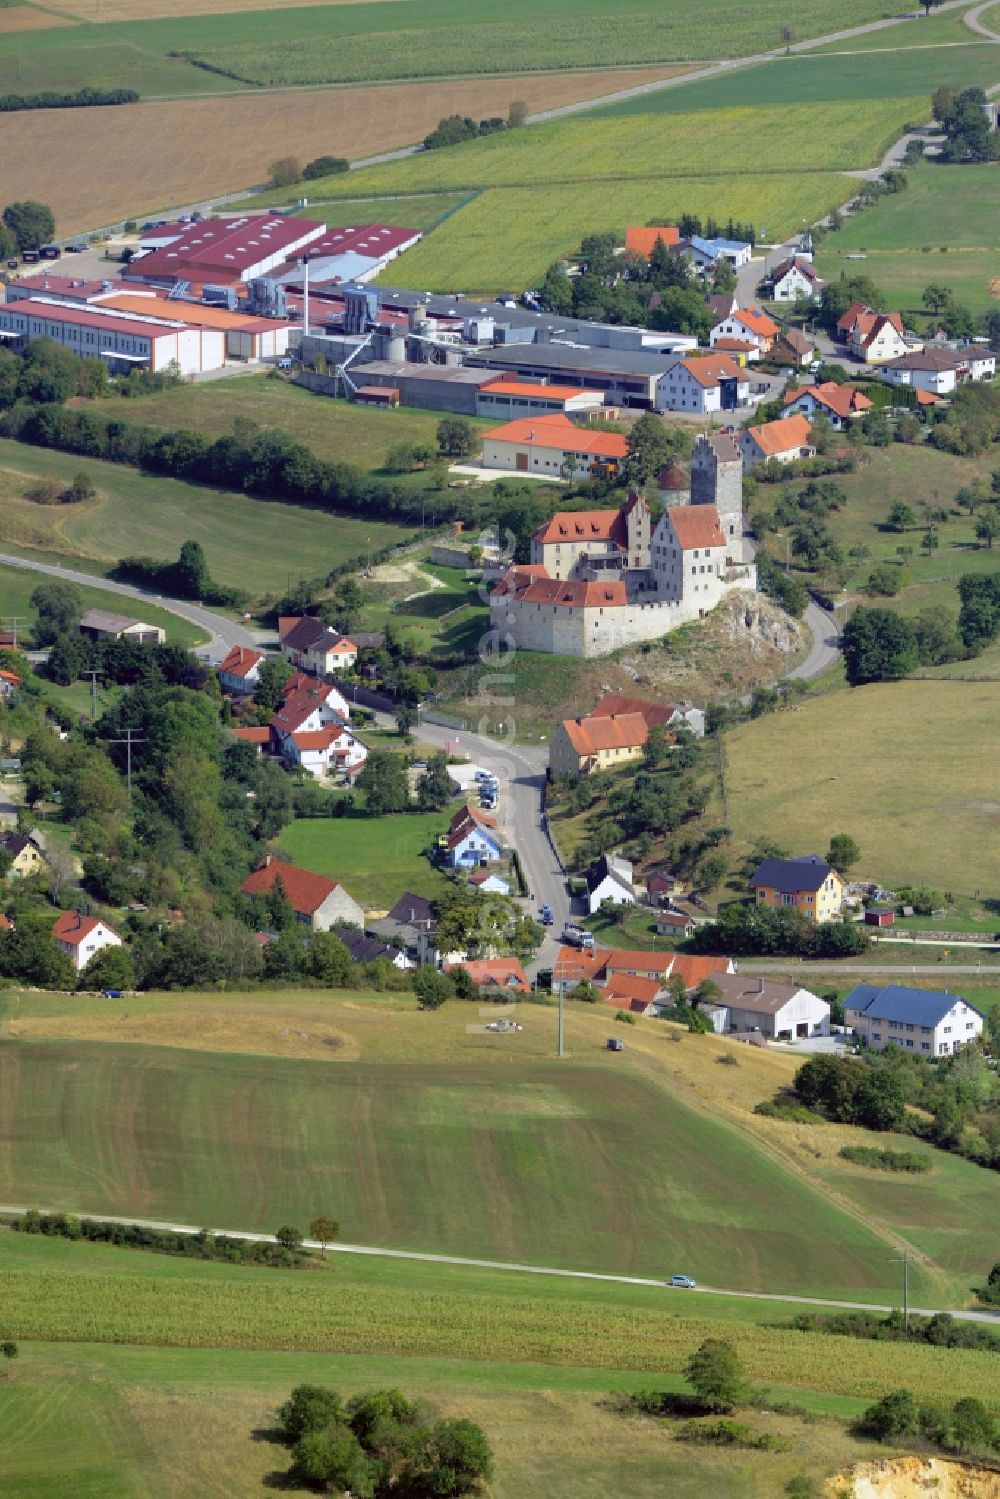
250,543
376,858
17,585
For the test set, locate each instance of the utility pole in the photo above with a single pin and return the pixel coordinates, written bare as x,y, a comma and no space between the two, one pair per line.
93,692
128,741
13,618
904,1260
561,1048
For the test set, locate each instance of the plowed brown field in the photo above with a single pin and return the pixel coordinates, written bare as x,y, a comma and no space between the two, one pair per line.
147,10
23,18
97,166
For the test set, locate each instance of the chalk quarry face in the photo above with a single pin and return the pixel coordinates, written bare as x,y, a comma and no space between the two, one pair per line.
914,1478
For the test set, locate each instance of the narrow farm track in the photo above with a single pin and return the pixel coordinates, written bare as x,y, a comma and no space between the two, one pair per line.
973,19
520,1269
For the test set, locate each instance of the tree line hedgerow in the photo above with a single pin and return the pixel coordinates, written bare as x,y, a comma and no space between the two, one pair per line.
79,99
284,1255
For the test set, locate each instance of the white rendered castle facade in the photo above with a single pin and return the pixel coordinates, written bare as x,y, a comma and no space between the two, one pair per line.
599,580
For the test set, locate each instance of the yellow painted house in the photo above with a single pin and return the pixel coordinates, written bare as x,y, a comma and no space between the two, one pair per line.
27,858
809,884
581,746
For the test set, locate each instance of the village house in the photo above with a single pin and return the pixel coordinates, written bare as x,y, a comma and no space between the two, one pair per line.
792,347
311,729
554,446
705,254
939,370
25,855
606,966
239,670
312,646
793,280
809,884
676,924
102,624
928,1021
9,683
705,383
83,937
494,973
488,882
747,326
640,996
609,878
582,746
318,903
369,950
655,715
779,1012
593,543
642,241
872,336
840,404
472,839
411,923
782,441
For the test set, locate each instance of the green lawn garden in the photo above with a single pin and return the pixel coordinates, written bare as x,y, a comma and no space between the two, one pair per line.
377,858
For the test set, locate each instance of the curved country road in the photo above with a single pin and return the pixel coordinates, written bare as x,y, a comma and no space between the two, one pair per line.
224,632
476,1264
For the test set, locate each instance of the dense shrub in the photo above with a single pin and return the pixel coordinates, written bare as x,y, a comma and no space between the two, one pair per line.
81,99
202,1246
885,1160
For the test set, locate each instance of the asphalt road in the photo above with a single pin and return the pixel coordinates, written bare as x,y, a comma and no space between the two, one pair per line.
462,1261
224,632
519,768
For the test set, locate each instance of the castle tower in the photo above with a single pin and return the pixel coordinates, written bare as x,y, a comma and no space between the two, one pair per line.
635,514
717,479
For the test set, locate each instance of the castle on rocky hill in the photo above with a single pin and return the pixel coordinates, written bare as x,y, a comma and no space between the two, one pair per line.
602,579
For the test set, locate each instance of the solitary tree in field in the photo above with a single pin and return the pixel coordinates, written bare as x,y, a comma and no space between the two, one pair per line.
284,171
716,1374
517,114
900,517
988,526
324,1231
8,1349
843,852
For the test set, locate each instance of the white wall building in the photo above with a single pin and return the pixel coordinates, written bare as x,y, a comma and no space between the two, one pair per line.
124,340
928,1021
781,1012
83,937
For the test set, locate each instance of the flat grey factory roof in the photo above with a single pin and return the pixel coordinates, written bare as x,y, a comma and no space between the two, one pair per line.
571,357
456,374
463,307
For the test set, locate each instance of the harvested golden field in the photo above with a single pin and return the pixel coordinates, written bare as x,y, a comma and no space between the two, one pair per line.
148,10
221,144
24,18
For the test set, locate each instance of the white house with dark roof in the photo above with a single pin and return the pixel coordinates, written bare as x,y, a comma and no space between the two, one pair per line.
939,370
929,1021
610,878
793,279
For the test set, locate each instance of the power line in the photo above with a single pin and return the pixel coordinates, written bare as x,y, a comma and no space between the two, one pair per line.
905,1260
130,739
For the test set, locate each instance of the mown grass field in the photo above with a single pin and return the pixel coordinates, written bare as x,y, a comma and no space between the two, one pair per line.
250,543
907,767
377,858
439,37
930,30
332,429
817,77
944,208
245,132
17,586
588,1166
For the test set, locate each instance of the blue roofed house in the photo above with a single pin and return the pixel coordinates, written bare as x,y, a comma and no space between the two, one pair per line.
929,1021
472,839
809,884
